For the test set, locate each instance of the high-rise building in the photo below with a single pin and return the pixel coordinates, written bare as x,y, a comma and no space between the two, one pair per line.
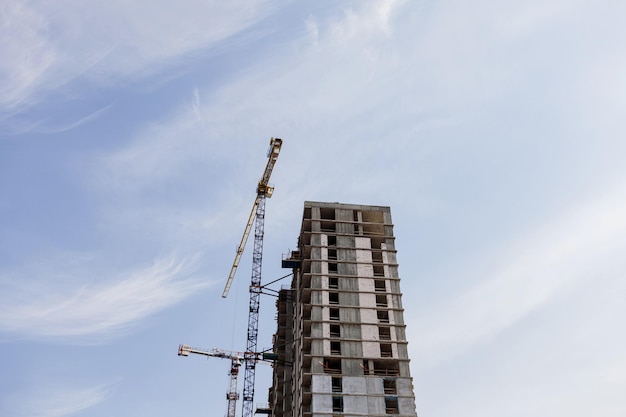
340,341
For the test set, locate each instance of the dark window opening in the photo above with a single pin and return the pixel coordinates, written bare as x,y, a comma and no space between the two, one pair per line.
332,268
391,405
381,301
327,213
332,366
335,330
333,282
333,297
338,405
385,350
337,384
332,240
335,348
379,270
327,226
379,285
334,314
332,254
383,316
389,386
384,333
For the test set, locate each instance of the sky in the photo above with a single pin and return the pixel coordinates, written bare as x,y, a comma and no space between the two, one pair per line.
132,135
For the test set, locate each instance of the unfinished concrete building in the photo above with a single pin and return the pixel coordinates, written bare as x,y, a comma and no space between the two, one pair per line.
340,340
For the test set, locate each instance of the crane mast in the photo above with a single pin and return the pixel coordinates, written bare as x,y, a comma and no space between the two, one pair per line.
257,215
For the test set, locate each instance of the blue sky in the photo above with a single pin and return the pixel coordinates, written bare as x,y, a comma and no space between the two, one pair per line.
132,135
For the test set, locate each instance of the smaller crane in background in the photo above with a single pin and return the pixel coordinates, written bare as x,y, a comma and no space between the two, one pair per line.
236,360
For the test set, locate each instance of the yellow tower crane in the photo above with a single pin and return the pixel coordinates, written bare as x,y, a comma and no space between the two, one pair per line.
257,216
264,190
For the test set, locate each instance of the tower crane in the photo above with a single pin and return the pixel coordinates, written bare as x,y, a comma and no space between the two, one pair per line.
257,216
236,359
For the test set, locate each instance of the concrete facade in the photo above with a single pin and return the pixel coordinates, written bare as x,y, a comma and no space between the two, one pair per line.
340,339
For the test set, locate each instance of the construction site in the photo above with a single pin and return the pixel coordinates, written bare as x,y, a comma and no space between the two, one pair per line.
340,345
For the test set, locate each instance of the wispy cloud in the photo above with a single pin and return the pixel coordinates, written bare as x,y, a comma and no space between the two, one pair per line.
56,400
45,126
74,308
43,50
586,244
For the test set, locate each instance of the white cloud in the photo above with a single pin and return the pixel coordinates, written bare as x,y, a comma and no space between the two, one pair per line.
74,308
583,245
45,48
56,400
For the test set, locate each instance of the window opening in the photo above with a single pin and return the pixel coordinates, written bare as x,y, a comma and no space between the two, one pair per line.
333,282
389,386
337,384
381,301
338,405
384,333
391,405
385,350
383,316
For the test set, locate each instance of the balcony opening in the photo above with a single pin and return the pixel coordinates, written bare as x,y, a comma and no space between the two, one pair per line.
386,367
332,366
